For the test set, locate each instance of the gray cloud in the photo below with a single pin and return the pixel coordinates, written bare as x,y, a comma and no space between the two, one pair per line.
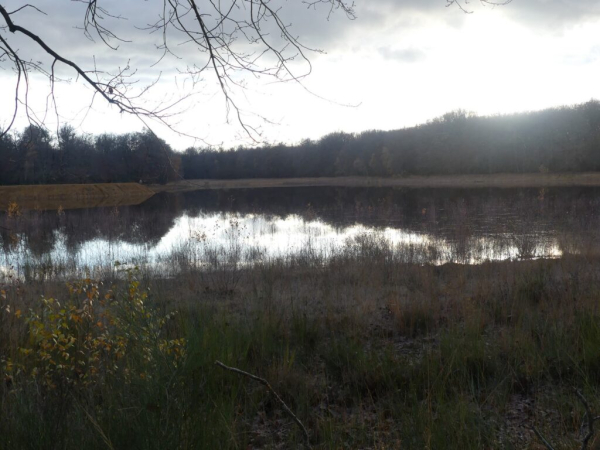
549,15
404,16
313,25
384,28
61,29
552,15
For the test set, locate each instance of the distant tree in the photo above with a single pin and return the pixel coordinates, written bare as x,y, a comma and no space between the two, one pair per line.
559,139
387,162
359,167
8,156
375,165
591,112
36,152
556,140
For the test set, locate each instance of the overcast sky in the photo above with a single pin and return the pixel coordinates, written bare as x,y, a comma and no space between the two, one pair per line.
400,63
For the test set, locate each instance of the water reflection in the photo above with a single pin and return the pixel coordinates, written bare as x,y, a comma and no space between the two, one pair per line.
215,228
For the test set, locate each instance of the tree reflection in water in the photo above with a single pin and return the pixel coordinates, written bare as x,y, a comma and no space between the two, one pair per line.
420,225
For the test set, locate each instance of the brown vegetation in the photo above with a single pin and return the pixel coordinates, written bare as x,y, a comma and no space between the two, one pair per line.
367,351
370,346
73,196
503,180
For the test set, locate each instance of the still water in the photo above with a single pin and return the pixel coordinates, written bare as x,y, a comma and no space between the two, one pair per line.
169,233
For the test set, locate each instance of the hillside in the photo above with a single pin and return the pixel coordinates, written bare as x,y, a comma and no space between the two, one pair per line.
558,140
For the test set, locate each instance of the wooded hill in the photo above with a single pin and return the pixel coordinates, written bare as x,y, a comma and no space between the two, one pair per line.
564,139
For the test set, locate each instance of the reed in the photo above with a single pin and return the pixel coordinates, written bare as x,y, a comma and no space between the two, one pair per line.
367,346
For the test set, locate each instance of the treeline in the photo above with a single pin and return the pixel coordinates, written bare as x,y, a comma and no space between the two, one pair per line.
565,139
34,157
562,139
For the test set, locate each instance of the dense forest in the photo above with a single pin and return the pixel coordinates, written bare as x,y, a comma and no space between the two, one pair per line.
35,157
565,139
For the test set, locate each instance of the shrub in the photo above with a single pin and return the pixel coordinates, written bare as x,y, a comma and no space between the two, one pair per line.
92,337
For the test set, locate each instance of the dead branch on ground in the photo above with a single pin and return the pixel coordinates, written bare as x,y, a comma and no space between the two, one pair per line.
279,399
588,416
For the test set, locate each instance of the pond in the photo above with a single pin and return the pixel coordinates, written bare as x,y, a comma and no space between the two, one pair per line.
232,228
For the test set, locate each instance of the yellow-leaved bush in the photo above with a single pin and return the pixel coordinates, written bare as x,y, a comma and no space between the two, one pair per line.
94,336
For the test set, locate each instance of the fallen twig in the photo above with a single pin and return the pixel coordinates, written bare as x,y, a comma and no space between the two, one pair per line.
590,423
268,386
591,419
543,439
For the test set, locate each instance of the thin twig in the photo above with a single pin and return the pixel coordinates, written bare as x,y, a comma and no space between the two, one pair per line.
590,418
268,386
543,439
590,424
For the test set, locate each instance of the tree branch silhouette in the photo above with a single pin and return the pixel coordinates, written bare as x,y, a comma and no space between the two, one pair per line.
231,37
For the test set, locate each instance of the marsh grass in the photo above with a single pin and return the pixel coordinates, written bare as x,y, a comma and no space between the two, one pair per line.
370,351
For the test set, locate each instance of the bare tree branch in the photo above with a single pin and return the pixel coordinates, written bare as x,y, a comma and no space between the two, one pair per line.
27,6
226,41
222,32
462,5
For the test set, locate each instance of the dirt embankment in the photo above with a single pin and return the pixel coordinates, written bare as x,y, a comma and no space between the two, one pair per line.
73,196
433,181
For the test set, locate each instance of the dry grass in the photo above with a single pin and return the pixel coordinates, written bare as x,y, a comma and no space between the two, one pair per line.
73,196
368,351
503,180
368,347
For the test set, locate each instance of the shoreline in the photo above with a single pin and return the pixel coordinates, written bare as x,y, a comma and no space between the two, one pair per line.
75,196
413,181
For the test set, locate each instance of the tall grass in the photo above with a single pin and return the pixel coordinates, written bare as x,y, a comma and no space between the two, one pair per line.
370,351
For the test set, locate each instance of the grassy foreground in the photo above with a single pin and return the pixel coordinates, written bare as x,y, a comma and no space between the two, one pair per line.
367,351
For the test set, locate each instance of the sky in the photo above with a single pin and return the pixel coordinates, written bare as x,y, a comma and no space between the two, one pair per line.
398,63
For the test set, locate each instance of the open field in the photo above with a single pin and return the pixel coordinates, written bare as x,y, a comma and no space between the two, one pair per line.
369,352
433,181
73,196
